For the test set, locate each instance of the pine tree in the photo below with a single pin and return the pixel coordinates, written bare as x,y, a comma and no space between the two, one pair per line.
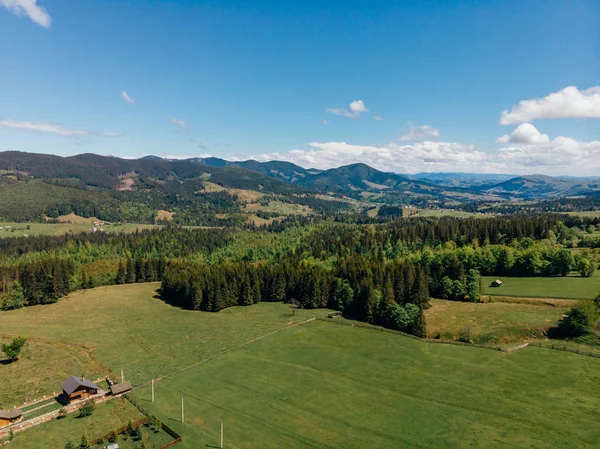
50,292
84,280
84,442
130,275
120,277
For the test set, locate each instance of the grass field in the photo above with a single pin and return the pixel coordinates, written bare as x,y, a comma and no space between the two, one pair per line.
495,323
124,326
444,213
30,229
55,434
328,385
570,287
320,384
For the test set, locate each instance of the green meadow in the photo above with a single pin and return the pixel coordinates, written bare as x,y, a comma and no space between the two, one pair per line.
569,287
318,384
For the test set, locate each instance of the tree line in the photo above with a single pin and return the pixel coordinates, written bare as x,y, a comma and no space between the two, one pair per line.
392,295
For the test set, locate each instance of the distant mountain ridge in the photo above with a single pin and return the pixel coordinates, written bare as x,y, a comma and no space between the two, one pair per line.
358,181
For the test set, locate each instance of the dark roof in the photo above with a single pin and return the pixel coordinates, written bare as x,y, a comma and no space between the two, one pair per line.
10,414
121,388
73,383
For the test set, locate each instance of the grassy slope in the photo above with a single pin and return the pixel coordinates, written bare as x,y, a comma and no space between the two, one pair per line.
32,377
128,326
326,385
490,322
321,384
571,287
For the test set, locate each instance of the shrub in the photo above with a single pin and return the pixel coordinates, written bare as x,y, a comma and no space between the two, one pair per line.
580,319
85,410
13,349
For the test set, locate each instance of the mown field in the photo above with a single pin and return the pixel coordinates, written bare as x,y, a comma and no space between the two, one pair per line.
101,330
320,384
31,229
329,385
490,323
570,287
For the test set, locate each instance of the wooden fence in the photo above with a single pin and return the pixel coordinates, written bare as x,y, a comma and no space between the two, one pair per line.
558,347
119,431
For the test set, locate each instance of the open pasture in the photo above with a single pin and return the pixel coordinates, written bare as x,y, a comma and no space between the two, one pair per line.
319,384
569,287
31,229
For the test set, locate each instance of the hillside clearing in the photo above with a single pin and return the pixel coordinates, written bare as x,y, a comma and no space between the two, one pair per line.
496,323
569,287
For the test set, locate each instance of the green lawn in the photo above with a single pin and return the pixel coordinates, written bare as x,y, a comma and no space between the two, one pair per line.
570,287
30,229
495,323
57,433
320,384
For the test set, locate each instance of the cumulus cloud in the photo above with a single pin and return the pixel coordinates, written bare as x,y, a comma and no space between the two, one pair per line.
53,128
127,98
569,102
561,156
355,109
28,8
421,156
419,133
179,122
324,122
377,117
525,133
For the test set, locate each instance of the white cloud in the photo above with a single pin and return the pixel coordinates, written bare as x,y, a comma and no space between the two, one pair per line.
324,122
127,98
569,102
53,128
28,8
356,108
421,156
419,133
561,156
377,117
178,122
525,133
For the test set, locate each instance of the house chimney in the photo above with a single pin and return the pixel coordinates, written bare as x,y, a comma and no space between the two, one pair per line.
82,378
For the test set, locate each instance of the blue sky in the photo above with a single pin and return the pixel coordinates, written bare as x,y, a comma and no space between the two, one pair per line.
256,79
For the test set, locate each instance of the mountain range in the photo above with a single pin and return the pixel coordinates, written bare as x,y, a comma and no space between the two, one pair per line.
197,190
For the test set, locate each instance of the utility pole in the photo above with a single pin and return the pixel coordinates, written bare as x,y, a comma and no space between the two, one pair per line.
152,390
122,377
221,434
182,415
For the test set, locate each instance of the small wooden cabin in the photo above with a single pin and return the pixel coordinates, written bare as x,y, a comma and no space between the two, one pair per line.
497,283
11,416
121,388
78,388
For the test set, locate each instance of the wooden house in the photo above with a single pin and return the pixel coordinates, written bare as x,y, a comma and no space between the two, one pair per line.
497,283
11,416
78,388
